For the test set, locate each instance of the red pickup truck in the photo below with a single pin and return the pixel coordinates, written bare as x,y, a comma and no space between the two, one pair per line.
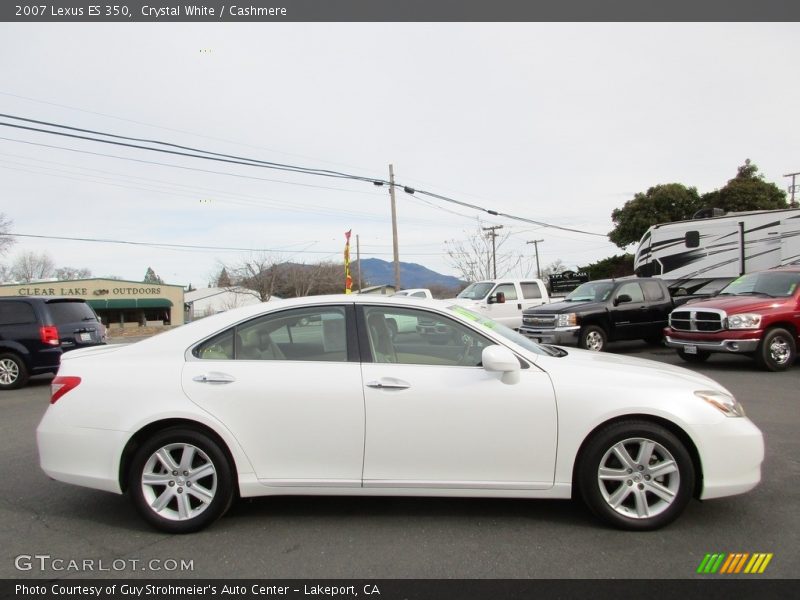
757,314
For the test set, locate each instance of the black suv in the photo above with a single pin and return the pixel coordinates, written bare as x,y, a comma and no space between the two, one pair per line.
35,330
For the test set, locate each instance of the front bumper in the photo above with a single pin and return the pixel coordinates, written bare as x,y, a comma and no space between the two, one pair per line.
731,457
724,344
560,336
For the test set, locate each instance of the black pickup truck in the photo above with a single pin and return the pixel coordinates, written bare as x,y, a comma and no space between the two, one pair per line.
598,312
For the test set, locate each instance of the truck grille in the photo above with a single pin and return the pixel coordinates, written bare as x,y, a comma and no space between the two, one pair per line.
696,320
539,321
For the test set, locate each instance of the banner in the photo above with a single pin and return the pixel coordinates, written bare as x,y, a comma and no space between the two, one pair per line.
348,281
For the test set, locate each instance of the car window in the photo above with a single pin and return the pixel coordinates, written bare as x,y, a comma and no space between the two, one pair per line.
419,295
70,312
16,313
530,289
508,289
435,339
304,334
653,291
633,290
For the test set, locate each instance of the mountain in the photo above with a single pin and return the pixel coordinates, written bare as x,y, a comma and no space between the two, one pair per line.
381,272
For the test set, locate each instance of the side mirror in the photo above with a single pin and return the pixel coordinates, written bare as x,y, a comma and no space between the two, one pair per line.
499,359
498,298
622,299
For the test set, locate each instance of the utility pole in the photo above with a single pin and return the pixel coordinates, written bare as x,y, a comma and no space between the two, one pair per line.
493,234
394,231
536,249
358,261
792,188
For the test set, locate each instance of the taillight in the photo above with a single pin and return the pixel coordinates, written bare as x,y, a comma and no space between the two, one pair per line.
61,385
49,335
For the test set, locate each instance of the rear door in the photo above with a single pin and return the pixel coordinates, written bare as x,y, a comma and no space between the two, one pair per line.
531,294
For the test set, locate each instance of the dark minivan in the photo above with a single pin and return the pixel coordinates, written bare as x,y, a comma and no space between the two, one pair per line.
36,330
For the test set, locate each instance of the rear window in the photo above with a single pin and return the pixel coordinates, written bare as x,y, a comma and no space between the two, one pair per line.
70,312
16,313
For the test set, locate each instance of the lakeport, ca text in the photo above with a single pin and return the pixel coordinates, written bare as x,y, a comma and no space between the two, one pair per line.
142,591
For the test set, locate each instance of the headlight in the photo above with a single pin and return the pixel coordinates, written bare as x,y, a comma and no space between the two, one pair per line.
744,321
567,320
725,403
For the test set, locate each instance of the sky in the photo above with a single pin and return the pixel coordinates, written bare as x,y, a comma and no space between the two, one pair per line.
557,123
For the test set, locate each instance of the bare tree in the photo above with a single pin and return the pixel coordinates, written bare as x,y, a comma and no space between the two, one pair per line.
256,275
70,273
32,266
6,241
472,256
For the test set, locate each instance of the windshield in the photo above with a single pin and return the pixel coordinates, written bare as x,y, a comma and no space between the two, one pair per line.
594,291
476,291
776,284
506,332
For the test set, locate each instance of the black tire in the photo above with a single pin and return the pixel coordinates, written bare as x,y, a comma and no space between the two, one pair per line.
593,338
13,372
701,356
630,490
190,503
777,351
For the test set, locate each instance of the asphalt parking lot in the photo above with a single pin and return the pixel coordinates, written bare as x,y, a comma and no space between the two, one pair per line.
325,537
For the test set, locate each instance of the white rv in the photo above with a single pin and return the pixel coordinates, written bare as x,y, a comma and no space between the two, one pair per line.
702,255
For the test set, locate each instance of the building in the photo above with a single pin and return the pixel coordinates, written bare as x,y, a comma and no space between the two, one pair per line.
119,303
208,301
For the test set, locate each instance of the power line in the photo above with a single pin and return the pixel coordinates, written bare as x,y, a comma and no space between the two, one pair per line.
244,161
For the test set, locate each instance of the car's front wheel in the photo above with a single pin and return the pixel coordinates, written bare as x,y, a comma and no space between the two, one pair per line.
777,350
636,475
180,480
593,338
13,373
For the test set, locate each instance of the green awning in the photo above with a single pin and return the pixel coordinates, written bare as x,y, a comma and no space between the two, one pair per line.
129,303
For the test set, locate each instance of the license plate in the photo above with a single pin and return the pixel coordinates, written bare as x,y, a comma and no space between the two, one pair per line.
86,337
690,349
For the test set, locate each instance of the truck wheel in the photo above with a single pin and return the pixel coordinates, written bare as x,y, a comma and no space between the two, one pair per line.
777,350
701,356
593,338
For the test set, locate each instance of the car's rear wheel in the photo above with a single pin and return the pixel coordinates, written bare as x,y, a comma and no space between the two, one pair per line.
180,480
636,475
698,357
13,373
593,338
777,350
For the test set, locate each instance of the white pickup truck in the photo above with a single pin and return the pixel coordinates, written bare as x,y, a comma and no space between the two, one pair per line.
503,300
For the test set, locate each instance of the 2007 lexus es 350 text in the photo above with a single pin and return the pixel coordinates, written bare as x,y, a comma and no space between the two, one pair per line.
324,396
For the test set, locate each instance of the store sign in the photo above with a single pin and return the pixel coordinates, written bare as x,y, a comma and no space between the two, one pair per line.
66,290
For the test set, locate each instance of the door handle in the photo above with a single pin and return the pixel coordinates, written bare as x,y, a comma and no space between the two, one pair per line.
214,378
388,383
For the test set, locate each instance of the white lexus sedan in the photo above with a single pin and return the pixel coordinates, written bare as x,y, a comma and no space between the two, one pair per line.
323,396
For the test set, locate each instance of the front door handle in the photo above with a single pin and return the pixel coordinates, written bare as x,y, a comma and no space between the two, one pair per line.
389,383
214,378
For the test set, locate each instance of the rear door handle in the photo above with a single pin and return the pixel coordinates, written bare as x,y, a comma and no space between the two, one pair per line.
214,378
389,383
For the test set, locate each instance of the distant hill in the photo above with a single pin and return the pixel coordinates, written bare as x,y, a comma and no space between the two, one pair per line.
381,272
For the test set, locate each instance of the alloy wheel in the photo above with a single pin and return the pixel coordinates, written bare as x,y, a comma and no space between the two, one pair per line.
9,371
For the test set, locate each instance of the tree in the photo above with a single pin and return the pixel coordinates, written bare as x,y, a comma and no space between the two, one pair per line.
256,275
5,240
151,277
613,266
472,256
223,279
32,266
70,273
746,191
660,204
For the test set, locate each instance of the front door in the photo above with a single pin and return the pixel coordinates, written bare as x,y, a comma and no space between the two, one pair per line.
436,419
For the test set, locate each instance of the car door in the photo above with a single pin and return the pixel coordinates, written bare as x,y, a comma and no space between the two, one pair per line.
508,313
630,318
531,294
435,419
288,385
